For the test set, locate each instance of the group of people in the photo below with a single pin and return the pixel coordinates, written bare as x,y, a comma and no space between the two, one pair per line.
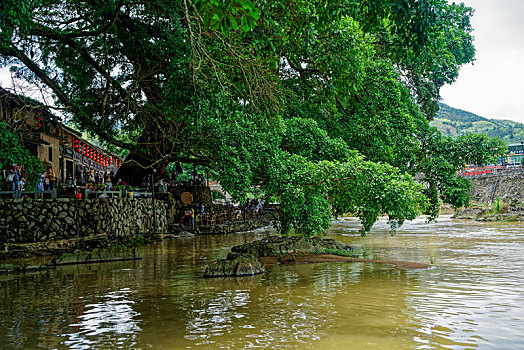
47,180
162,185
194,181
255,205
16,180
191,217
252,205
90,177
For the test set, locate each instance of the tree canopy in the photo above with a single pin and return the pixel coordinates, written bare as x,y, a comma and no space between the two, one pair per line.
324,104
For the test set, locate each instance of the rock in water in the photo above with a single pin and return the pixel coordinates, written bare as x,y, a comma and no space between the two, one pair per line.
185,234
235,265
243,259
275,246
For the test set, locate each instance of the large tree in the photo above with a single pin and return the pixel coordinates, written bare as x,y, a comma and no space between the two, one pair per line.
279,94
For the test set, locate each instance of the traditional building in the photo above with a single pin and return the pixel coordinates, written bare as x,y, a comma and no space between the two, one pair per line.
52,142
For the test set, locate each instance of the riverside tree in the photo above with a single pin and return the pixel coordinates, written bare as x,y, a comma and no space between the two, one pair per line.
324,104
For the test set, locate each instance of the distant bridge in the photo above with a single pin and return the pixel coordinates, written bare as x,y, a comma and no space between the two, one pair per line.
492,170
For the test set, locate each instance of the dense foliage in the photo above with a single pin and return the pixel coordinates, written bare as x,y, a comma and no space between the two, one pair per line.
13,152
323,104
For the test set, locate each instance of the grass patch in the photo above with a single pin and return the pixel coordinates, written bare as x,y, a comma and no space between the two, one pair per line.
352,252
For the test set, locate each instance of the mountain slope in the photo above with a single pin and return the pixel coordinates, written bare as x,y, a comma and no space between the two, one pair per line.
454,122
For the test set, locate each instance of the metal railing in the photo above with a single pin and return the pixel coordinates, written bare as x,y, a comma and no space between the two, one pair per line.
510,170
115,194
53,194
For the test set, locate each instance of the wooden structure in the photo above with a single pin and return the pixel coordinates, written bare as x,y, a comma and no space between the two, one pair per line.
53,143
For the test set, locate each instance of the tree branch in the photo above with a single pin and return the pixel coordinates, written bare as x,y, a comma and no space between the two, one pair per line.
62,96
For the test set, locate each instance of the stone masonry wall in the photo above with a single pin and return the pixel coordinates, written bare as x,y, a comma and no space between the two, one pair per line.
27,220
510,188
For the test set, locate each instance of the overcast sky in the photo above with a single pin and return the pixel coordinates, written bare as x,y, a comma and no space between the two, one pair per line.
493,87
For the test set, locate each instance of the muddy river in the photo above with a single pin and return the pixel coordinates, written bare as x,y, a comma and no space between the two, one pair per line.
472,299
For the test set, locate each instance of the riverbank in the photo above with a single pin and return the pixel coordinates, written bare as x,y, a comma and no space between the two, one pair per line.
35,256
180,230
29,257
504,214
51,227
31,263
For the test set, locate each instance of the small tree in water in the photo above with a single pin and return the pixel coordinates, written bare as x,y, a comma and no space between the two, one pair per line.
498,205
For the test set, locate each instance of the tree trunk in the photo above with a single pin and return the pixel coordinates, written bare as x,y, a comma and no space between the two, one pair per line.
135,168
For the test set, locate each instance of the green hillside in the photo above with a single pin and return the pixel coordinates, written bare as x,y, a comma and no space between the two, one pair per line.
454,122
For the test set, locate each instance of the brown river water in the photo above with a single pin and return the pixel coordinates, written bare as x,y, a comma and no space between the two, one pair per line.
472,299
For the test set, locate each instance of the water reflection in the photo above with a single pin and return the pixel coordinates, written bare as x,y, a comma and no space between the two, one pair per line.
110,322
292,306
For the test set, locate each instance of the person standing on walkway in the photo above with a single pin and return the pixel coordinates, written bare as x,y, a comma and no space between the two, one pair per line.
202,213
17,175
40,185
192,219
9,178
52,178
108,181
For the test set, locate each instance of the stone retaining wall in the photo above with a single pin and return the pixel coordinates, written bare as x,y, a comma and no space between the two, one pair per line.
27,220
510,189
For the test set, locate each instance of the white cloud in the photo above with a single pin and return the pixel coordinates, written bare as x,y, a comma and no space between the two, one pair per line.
494,86
5,77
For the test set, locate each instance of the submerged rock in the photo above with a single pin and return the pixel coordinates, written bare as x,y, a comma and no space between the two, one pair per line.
236,265
508,214
274,246
6,269
185,234
243,259
506,217
469,214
